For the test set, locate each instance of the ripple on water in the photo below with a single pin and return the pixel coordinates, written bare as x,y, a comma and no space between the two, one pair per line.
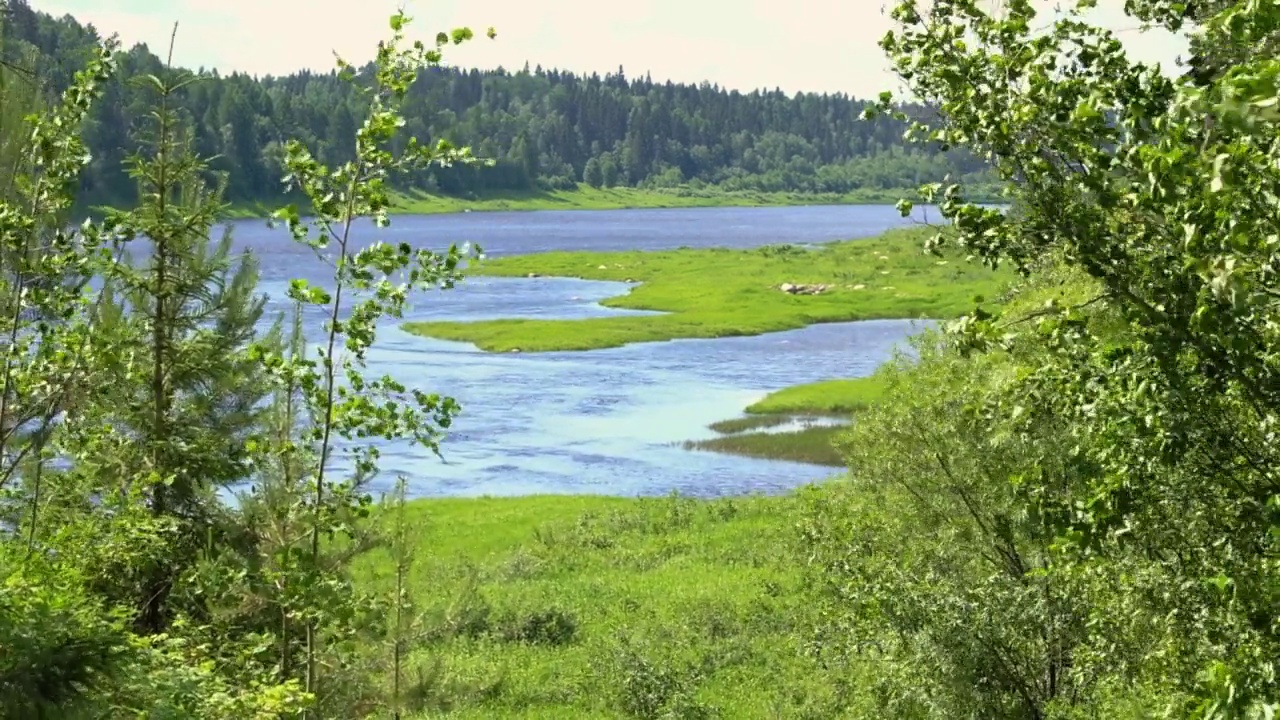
604,421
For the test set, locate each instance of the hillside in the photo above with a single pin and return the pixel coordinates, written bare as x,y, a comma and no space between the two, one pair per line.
546,129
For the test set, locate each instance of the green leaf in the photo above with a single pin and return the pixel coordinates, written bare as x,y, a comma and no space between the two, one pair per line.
1216,184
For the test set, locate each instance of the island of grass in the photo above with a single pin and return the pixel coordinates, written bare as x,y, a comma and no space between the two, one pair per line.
798,423
585,197
717,292
782,426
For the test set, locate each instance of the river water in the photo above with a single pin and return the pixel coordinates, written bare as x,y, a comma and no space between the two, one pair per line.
604,421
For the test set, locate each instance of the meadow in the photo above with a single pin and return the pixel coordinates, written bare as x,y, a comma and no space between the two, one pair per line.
602,607
718,292
599,607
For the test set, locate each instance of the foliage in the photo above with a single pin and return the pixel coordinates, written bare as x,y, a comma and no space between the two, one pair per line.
134,391
542,127
59,642
339,402
1064,509
1129,442
933,571
677,605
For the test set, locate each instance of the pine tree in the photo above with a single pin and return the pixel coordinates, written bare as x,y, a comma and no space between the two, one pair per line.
608,171
592,174
19,96
191,311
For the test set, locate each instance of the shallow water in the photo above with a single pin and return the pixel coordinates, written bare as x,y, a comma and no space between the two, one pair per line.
602,421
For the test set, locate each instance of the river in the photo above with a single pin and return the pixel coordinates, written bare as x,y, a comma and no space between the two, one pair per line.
604,421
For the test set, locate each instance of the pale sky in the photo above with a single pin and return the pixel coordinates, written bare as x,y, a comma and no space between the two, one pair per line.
797,45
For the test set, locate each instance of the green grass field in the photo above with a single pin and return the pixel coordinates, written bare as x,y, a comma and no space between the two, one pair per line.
829,397
595,607
586,197
598,607
717,292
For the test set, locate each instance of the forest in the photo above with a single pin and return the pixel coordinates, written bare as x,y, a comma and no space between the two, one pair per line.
1063,505
542,128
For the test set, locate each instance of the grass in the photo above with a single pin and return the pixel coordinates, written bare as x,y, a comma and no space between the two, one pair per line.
811,445
829,397
586,197
596,607
743,424
717,292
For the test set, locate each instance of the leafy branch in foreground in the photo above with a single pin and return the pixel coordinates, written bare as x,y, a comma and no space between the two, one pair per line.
346,406
45,267
1163,193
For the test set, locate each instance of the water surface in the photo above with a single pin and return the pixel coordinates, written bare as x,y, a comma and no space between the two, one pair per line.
603,421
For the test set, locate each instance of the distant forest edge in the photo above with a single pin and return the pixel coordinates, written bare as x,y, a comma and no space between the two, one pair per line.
547,131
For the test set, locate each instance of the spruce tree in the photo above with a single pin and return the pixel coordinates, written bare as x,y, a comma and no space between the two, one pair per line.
187,312
592,174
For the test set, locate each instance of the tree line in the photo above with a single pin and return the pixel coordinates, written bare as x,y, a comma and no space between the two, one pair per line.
543,129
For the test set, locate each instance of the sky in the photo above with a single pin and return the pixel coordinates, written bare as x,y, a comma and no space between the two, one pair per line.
795,45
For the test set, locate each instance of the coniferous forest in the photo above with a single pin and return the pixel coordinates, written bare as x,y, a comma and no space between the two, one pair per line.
543,129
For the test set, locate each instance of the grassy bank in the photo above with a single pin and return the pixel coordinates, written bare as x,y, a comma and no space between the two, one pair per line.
586,197
829,397
808,444
595,607
812,444
718,292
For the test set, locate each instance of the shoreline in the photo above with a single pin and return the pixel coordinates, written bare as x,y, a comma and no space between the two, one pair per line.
797,423
713,293
618,198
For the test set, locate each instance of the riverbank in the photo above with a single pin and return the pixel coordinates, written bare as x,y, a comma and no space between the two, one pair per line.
598,607
798,423
717,292
586,197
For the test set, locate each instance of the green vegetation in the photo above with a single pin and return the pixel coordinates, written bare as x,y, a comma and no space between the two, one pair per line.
1069,509
828,397
129,588
585,197
812,444
545,130
718,292
1065,507
743,424
553,607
